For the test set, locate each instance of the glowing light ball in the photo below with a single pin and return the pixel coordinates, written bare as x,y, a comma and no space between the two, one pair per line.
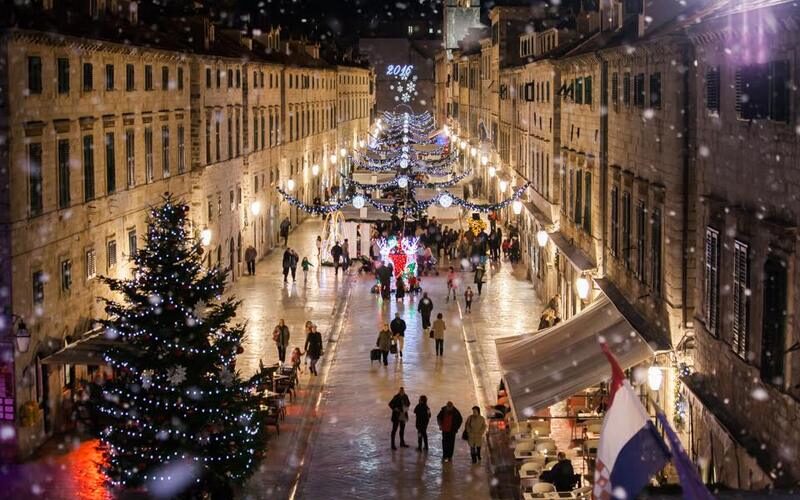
403,163
402,181
405,149
405,139
445,200
358,201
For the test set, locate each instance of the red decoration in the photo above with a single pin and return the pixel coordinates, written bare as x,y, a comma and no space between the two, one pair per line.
399,262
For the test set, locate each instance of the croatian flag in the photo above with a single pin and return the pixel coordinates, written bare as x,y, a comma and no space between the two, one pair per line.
630,449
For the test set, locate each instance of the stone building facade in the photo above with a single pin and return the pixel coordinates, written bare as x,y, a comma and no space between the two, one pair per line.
654,121
96,131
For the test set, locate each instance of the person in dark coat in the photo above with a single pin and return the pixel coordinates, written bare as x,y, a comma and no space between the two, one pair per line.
250,258
293,263
384,342
336,254
449,420
399,405
281,337
287,263
423,415
286,224
313,348
398,328
479,273
562,475
384,272
425,308
400,288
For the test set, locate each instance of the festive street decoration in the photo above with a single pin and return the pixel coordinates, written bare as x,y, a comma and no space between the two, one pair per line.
401,253
176,395
397,148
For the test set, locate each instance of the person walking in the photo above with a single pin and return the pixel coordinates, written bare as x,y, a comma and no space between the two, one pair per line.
398,328
293,263
399,405
319,249
400,288
305,265
313,348
281,337
438,334
384,342
286,224
468,295
451,283
425,308
286,263
449,420
423,416
475,428
480,271
336,255
250,258
345,256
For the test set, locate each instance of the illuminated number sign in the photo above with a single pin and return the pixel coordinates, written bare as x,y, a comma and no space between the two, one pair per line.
399,70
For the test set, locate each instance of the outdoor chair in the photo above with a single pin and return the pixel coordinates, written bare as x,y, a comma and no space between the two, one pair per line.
530,469
524,449
583,493
545,446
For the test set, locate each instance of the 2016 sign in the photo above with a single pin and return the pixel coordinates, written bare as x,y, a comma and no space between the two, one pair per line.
400,70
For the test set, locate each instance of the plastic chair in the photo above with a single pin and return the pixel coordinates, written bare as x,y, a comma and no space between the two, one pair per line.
590,447
530,469
543,488
524,449
583,493
540,428
545,446
594,428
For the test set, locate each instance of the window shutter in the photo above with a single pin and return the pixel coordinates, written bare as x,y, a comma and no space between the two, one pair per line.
711,281
741,301
712,90
739,91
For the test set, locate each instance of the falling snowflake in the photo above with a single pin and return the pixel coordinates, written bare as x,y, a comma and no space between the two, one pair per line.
147,379
177,375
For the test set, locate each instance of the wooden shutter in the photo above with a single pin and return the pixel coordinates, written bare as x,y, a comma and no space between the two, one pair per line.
711,280
741,299
712,90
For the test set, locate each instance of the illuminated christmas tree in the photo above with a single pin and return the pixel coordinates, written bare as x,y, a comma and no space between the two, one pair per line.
176,417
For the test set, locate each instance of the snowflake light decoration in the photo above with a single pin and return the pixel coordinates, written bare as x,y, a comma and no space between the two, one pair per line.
177,375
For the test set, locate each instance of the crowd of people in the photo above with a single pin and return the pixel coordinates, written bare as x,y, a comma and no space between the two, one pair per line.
449,420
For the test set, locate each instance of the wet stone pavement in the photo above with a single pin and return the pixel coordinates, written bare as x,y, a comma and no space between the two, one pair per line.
335,440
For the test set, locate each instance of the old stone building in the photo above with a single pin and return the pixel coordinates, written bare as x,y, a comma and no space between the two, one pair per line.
639,129
96,130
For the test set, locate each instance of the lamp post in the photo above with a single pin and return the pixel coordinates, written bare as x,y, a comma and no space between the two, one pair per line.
583,286
22,337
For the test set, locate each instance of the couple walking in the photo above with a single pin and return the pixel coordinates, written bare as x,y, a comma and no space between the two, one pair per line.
449,420
313,345
437,328
392,335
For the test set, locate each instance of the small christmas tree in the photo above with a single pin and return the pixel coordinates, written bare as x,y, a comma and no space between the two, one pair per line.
176,401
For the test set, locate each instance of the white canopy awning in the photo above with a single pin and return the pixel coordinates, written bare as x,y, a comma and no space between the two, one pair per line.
546,367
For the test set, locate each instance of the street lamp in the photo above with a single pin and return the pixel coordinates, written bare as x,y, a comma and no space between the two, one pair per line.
492,171
343,152
473,152
582,285
484,160
315,170
255,208
333,158
541,238
517,207
654,378
503,186
23,337
205,237
290,184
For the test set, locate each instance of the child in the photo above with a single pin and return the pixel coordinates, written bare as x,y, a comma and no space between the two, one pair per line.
468,299
451,283
296,359
306,264
423,413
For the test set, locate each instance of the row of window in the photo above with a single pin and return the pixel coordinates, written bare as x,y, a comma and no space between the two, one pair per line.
63,77
234,200
639,95
774,290
632,248
64,160
39,278
577,183
762,91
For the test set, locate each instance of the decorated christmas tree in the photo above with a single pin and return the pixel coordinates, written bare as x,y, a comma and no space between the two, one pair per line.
176,418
